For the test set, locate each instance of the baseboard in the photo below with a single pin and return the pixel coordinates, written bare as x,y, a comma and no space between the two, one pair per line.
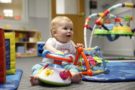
122,52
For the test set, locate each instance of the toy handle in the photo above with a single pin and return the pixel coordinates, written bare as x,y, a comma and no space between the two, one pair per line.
69,60
48,54
88,72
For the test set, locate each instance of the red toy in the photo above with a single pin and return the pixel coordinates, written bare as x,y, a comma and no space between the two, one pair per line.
2,58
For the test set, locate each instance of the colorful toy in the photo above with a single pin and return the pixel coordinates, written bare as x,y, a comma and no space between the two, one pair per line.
55,74
117,28
8,58
10,52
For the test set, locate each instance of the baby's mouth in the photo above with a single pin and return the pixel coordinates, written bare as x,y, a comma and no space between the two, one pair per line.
68,35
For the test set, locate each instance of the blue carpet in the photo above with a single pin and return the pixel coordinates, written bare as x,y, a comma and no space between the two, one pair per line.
12,81
119,71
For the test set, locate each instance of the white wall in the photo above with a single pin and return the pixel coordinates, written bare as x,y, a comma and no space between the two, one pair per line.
39,16
16,24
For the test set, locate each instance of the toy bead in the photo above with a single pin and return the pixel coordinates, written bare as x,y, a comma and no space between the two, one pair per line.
87,26
98,22
106,13
64,74
89,72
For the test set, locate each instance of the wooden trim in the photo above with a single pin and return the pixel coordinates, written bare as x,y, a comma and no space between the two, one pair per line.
53,8
81,6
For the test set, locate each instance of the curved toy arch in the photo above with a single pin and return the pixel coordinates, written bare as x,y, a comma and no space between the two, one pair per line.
106,12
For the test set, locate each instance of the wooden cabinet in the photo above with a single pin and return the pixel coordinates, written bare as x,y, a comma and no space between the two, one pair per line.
25,42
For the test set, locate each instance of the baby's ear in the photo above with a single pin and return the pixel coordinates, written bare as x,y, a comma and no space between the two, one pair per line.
53,32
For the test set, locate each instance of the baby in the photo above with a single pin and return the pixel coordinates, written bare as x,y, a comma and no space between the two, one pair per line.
61,42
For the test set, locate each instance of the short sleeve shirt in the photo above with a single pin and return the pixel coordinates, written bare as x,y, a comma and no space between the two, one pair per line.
67,48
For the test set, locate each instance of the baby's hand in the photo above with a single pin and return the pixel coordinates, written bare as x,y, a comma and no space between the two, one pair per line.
79,45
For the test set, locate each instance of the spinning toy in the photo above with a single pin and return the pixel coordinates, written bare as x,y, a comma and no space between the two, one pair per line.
116,30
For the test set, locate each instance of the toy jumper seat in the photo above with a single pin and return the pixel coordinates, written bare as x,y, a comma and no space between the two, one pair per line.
55,75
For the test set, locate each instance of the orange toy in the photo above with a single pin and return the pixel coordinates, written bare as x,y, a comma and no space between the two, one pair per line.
80,52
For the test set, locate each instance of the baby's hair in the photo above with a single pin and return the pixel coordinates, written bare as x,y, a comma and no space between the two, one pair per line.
55,22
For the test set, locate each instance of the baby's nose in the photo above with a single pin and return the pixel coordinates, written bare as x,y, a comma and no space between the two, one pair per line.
69,30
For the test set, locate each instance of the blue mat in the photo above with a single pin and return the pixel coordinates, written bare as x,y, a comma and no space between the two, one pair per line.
12,81
119,71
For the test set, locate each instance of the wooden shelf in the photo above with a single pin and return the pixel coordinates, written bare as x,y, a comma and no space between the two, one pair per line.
26,42
19,55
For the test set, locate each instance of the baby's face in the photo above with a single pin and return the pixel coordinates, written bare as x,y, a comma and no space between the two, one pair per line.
64,31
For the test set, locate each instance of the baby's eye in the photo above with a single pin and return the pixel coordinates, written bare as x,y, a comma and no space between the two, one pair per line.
66,28
71,29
